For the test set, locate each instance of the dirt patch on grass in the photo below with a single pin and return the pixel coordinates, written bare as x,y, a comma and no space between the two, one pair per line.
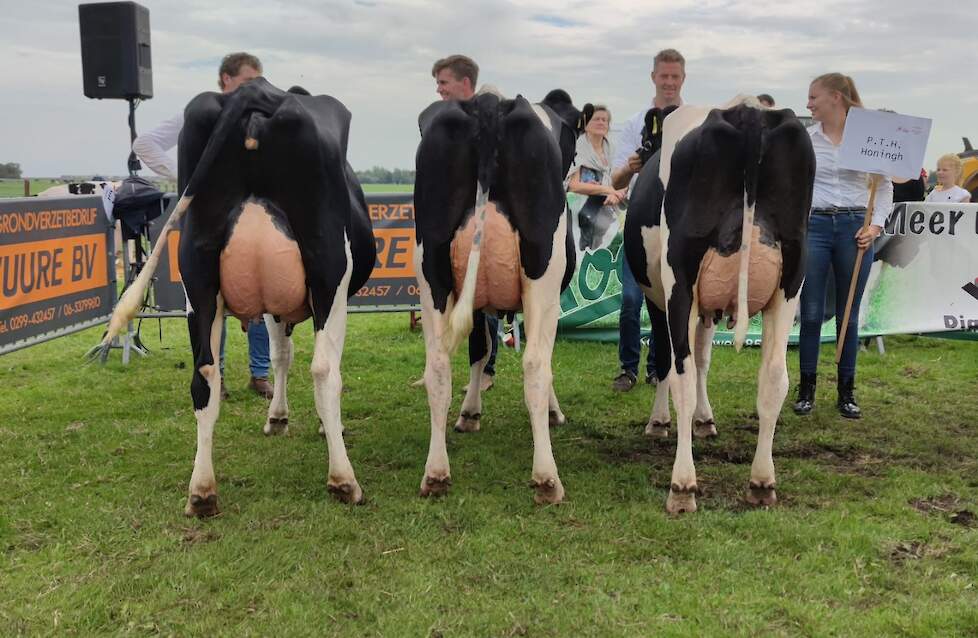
195,536
905,551
949,506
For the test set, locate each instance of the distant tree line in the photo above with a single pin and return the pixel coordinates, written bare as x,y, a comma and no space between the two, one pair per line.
12,169
381,175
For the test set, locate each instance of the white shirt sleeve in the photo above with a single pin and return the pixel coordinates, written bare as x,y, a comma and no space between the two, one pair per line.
883,205
151,147
626,143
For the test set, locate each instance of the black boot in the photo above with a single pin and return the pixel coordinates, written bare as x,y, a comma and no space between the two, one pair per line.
806,395
847,402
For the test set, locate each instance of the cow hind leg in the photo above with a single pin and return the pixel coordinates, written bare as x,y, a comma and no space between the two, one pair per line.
541,306
282,356
682,487
659,421
438,383
470,416
703,424
205,389
772,388
328,385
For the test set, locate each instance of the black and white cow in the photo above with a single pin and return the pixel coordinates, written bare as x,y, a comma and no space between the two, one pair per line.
716,225
493,234
276,224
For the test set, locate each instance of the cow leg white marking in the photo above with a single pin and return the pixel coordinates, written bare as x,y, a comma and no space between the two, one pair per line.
282,357
541,307
328,386
772,388
470,416
659,421
438,383
202,500
682,489
703,424
556,417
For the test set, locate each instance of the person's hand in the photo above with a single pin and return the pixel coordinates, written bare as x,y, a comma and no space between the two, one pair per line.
866,235
613,199
634,163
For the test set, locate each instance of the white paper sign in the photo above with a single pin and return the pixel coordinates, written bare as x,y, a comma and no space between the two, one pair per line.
884,143
108,200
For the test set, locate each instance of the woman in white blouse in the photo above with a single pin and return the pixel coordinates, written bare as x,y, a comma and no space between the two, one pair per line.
948,175
835,233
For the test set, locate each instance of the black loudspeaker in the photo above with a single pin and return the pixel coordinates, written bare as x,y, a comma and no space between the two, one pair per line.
115,50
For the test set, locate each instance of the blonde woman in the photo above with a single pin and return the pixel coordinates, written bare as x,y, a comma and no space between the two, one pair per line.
835,233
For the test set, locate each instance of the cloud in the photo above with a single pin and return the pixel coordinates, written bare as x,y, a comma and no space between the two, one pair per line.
376,56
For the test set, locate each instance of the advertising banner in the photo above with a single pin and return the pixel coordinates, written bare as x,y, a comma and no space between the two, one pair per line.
925,278
392,286
56,268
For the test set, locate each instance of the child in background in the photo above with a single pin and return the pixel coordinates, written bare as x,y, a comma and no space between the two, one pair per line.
948,175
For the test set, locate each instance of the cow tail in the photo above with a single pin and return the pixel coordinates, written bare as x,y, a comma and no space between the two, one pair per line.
460,321
753,151
132,298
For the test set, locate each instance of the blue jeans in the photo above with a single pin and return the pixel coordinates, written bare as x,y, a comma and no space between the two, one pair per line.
493,321
258,359
630,324
831,243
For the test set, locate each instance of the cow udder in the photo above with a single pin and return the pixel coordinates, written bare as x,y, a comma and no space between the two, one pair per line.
498,282
261,269
717,281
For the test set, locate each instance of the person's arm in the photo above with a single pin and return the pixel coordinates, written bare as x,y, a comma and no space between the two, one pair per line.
612,197
881,212
151,147
626,161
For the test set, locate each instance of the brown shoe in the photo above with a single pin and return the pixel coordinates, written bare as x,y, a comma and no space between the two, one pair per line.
261,386
624,382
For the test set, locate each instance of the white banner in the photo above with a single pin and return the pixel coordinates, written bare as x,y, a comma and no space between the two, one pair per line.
925,278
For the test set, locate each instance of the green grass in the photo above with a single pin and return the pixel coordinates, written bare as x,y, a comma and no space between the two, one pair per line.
15,187
96,460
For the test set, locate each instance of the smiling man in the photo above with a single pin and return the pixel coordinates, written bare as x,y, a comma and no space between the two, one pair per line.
668,75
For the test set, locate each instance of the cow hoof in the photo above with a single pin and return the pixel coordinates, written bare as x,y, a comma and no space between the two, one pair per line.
431,486
548,492
276,426
202,506
658,430
705,429
468,422
760,495
682,500
348,492
557,419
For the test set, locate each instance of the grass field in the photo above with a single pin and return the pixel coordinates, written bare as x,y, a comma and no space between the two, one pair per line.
15,187
874,534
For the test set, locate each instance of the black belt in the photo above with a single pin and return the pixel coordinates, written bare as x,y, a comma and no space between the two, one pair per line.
832,210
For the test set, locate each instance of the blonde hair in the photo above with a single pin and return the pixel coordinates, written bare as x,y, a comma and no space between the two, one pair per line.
956,163
844,85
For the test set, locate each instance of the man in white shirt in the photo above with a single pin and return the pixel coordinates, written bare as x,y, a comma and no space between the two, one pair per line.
151,149
668,75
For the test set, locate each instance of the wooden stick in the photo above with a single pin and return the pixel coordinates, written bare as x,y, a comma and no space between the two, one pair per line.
840,344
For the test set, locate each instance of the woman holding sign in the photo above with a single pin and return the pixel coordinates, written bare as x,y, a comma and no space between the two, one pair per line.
835,234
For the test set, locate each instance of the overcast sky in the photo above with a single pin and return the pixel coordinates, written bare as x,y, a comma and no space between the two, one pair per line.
375,56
